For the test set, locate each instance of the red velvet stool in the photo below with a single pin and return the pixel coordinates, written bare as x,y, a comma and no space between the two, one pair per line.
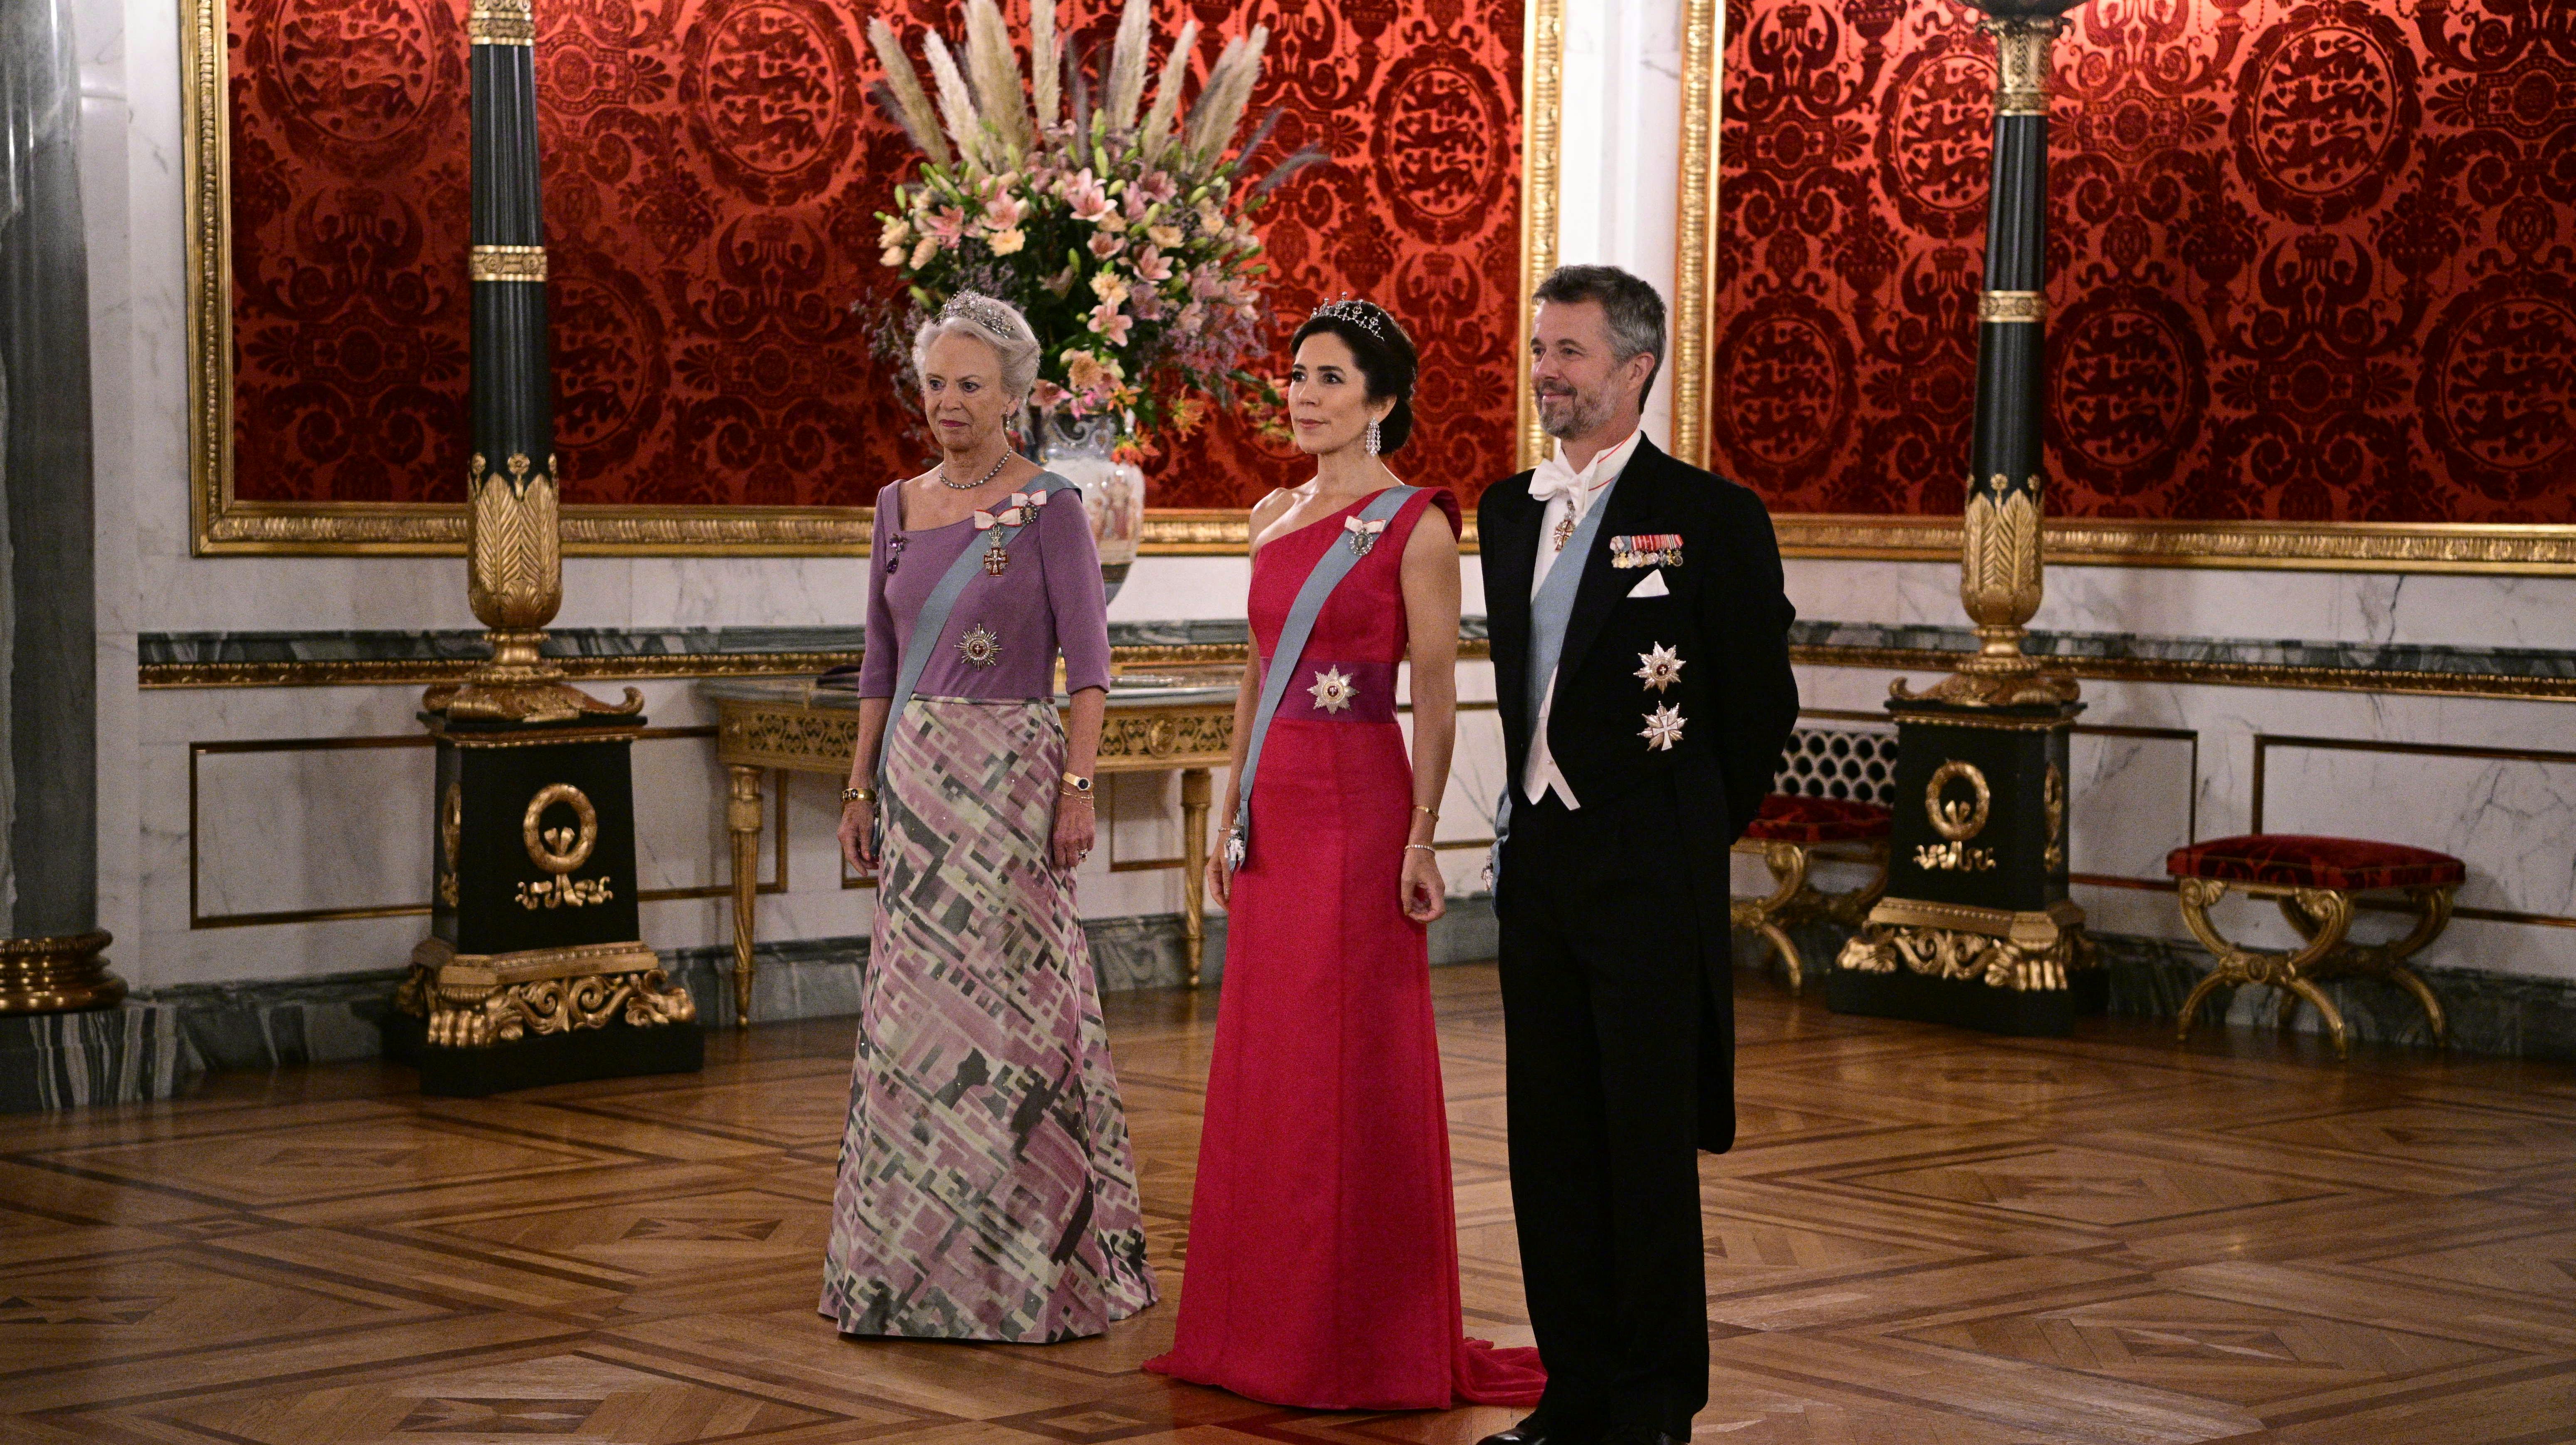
1790,832
2313,881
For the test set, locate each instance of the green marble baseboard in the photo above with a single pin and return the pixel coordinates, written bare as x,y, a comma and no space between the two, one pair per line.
2497,1015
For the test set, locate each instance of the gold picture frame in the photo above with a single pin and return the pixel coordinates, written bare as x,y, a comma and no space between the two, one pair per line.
223,524
2532,549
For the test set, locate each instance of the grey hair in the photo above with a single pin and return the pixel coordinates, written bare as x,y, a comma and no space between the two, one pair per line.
1634,308
998,324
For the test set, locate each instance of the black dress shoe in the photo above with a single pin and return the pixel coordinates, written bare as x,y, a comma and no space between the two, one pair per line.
1535,1431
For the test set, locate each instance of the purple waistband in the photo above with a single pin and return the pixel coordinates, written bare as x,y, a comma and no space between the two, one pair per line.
1327,691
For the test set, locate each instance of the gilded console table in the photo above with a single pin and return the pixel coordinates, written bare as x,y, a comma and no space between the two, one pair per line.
796,726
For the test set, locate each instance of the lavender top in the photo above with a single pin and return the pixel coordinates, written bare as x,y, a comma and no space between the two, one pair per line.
1049,596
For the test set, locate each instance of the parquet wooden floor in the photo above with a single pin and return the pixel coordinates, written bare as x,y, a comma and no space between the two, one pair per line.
1924,1236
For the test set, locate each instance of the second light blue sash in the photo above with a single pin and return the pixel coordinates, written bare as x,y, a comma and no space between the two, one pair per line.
1336,563
933,621
1551,610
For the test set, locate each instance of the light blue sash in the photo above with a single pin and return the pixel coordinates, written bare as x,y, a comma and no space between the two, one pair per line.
1330,569
1550,611
933,621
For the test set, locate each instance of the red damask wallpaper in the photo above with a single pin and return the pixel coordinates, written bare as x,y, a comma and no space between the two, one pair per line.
2309,260
713,169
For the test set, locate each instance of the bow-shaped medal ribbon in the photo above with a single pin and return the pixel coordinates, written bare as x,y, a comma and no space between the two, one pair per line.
1019,511
1363,535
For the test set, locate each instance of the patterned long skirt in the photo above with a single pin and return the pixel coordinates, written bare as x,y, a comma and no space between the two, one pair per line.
987,1191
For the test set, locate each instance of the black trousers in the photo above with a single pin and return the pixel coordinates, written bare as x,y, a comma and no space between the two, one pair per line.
1602,969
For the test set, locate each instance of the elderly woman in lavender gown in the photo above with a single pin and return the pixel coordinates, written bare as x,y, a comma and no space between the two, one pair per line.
987,1190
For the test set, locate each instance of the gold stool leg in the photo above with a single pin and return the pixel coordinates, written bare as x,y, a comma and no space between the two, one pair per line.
2300,988
742,819
2322,916
2433,914
1194,811
1788,863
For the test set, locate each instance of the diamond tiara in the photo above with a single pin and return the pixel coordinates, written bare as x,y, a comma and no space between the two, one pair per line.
1363,314
980,310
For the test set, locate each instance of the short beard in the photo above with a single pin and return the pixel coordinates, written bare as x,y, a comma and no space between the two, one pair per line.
1586,414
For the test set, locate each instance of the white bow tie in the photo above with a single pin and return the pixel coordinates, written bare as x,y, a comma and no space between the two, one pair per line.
1554,479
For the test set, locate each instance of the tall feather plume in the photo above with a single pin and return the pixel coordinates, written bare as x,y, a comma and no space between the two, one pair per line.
1295,161
1260,136
915,114
1046,64
1081,85
956,102
995,69
1194,128
1167,95
1127,66
1237,94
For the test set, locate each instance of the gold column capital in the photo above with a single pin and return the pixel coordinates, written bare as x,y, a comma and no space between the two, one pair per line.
501,22
2021,55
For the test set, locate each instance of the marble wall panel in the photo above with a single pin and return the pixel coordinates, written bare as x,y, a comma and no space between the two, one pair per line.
2130,801
284,832
2514,820
2217,602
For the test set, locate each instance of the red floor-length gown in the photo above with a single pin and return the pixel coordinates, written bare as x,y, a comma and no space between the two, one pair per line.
1322,1269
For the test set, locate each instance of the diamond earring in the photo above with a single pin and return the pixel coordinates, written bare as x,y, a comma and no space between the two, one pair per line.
1372,438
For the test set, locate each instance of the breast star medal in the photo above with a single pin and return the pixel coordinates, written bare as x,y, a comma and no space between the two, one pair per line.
980,647
1333,691
1663,667
1663,728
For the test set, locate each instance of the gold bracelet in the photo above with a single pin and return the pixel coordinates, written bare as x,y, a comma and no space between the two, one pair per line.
857,795
1435,815
1425,847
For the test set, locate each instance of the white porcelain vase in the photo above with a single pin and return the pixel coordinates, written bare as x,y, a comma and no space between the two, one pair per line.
1113,492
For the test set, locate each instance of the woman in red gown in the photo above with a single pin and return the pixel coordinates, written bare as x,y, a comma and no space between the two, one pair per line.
1322,1268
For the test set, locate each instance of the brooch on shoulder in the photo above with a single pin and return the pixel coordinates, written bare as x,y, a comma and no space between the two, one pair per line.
1362,535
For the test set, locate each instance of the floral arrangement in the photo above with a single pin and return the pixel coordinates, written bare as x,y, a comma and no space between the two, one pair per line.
1125,239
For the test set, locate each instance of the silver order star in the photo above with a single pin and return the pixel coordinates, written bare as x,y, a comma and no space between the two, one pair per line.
1332,690
1663,667
980,647
1663,728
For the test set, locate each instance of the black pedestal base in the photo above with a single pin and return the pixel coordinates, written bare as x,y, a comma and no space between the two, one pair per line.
1967,1003
616,1051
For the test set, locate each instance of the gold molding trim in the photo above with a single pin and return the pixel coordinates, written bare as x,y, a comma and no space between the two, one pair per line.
221,524
2471,547
1695,237
2213,674
1542,157
2270,546
400,672
2012,306
506,263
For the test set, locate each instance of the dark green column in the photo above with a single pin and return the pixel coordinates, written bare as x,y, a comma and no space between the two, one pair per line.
1976,928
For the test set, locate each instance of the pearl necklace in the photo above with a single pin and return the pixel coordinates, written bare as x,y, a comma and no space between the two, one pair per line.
1007,454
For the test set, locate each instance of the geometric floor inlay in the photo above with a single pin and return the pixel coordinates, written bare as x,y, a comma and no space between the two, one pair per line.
1924,1237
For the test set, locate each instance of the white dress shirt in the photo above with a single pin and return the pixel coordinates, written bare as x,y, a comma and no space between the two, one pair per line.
1570,494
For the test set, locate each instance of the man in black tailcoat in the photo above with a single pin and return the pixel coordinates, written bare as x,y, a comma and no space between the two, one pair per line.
1634,765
